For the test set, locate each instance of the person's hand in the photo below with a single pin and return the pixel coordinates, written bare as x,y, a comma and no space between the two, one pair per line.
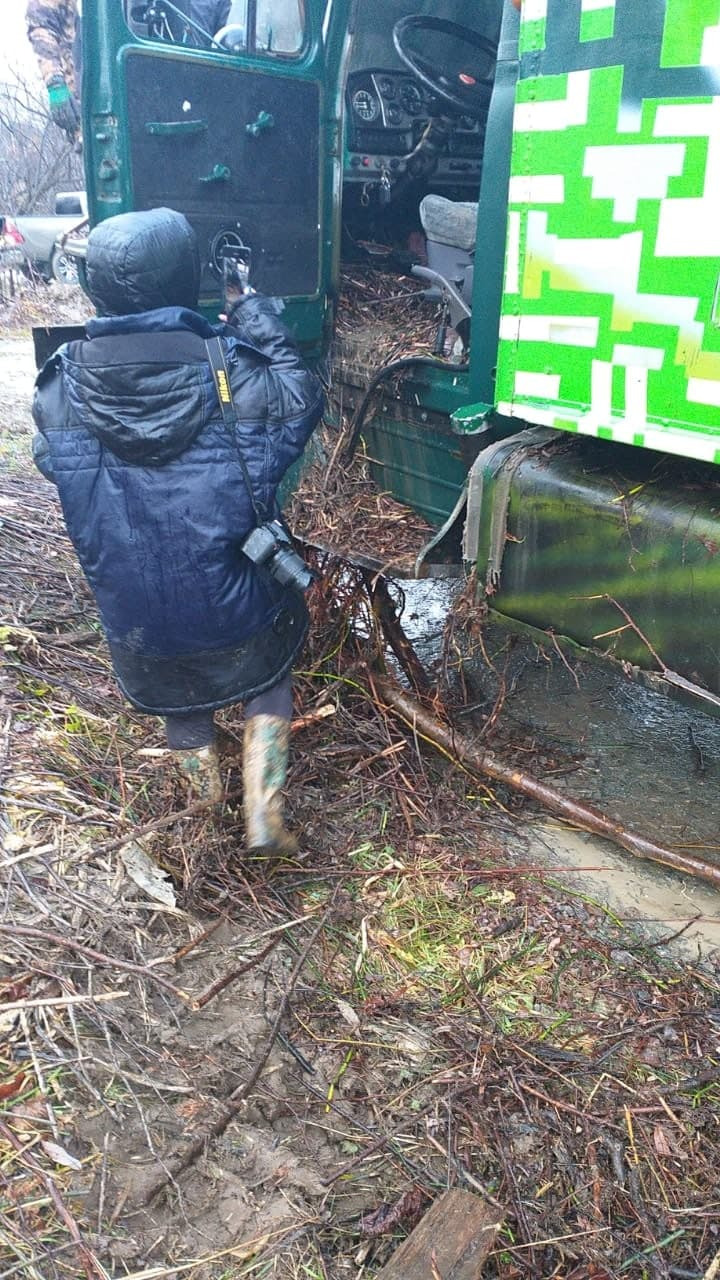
64,110
517,3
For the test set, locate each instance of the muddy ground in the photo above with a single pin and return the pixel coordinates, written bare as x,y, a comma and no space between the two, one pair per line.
417,1003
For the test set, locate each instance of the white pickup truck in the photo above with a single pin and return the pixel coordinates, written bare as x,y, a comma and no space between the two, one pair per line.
39,237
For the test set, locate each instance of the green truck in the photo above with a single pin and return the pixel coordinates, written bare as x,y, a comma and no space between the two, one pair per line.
563,165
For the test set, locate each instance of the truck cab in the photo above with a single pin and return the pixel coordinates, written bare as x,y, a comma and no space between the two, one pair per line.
553,173
302,129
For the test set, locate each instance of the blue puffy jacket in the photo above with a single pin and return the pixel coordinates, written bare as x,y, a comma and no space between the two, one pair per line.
156,500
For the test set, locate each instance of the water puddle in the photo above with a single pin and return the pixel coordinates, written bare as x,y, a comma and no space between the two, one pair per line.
647,760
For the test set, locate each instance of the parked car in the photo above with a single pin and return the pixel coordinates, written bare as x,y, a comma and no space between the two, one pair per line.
40,237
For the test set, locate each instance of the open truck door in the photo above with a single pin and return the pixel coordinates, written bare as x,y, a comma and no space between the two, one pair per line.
237,126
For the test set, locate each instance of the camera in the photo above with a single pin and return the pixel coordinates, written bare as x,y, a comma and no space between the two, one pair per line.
269,545
236,263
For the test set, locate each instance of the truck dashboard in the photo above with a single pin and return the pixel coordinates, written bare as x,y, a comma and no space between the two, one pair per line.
387,112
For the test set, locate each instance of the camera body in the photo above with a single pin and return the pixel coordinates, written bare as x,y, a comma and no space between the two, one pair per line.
270,545
236,264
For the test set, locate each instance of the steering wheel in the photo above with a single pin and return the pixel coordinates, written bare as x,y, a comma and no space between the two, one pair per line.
463,88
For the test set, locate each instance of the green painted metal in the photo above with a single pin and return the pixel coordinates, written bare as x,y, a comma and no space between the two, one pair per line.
220,173
415,453
471,418
108,43
567,527
416,458
265,121
175,128
609,321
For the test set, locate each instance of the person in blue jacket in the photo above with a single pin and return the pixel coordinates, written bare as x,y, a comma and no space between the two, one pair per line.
159,495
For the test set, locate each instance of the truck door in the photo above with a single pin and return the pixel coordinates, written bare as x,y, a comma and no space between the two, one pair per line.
230,113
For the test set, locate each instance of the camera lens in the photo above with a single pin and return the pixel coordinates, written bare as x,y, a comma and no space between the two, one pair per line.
290,570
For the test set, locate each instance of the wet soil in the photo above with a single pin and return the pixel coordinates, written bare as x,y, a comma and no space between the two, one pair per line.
648,760
258,1178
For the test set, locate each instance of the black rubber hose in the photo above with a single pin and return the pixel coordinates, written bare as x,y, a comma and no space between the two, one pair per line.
387,371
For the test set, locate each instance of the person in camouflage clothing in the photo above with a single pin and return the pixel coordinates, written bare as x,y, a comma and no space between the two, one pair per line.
53,32
53,28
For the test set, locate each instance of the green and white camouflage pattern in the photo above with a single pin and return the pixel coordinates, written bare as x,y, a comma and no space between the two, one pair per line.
611,312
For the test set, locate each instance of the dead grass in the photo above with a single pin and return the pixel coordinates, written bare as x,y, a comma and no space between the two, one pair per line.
36,303
337,505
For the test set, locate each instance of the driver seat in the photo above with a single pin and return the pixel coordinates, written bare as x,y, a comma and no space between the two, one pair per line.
450,227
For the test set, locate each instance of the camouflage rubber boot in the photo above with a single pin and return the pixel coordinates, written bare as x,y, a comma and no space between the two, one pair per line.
265,760
201,770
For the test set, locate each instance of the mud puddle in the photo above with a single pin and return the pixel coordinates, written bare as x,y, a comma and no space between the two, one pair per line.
649,761
679,911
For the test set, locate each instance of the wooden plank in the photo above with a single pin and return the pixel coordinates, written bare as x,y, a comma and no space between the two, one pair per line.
451,1243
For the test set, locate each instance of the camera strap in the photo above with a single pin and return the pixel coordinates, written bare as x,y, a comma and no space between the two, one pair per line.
218,364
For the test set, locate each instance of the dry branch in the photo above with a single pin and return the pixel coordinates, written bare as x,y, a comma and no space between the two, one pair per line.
234,974
99,957
387,618
713,1270
91,1266
447,739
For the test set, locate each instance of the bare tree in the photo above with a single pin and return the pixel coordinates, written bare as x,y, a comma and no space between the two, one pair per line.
36,159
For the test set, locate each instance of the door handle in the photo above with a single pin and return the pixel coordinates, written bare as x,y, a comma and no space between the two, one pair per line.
264,122
220,173
175,128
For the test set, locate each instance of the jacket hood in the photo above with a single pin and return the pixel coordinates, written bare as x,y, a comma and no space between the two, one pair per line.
143,261
142,384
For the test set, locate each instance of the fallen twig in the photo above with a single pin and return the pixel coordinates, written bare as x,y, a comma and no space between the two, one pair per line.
91,1266
185,950
60,1001
386,1139
158,824
319,713
71,944
224,982
386,616
713,1270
